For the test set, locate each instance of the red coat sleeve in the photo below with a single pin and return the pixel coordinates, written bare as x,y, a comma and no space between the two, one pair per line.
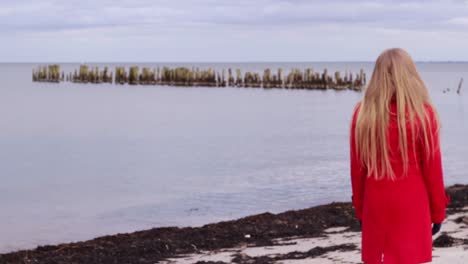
358,172
432,172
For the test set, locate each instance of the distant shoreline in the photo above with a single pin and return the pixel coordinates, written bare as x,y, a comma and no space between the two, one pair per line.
157,244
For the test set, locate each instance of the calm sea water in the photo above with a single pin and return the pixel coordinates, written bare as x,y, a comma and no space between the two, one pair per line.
79,161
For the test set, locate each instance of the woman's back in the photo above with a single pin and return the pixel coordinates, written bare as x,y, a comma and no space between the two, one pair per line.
398,189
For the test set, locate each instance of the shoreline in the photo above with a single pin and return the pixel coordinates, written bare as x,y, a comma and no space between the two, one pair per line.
260,231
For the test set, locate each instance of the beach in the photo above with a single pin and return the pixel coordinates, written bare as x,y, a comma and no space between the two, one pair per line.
321,234
213,132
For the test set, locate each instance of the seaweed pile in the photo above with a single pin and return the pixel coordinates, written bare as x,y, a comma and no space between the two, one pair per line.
157,244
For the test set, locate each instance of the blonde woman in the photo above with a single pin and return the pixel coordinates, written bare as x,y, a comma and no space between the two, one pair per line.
396,169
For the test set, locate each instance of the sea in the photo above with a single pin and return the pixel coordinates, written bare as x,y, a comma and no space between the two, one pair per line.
79,161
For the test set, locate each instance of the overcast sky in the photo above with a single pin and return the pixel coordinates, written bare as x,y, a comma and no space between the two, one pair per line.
228,30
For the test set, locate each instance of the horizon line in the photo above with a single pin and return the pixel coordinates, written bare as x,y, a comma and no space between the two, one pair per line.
203,62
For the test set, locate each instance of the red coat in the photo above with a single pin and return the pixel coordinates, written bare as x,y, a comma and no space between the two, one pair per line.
397,215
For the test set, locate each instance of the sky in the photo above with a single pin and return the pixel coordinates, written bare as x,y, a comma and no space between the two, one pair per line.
228,30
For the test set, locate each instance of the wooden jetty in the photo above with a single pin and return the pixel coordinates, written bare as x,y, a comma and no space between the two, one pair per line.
196,77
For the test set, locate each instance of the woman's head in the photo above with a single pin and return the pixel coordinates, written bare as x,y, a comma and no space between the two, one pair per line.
394,77
395,74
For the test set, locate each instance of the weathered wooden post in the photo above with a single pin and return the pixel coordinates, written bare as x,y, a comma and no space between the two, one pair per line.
338,83
105,76
134,75
294,79
154,78
460,86
163,75
96,75
288,80
177,79
325,78
91,75
363,77
144,77
158,75
212,77
266,78
257,80
223,79
49,73
238,78
117,75
338,77
84,72
121,75
247,79
280,78
231,78
53,73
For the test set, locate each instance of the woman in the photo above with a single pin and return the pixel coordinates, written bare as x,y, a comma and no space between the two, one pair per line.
396,169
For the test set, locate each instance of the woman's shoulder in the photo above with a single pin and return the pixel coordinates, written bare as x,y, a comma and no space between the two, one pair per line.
430,109
432,116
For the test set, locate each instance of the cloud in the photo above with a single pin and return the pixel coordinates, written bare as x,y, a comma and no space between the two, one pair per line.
58,15
458,21
103,27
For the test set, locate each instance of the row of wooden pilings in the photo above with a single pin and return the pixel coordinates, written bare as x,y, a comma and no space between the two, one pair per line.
183,76
50,73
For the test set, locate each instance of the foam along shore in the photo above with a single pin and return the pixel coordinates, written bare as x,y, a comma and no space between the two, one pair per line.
321,234
193,77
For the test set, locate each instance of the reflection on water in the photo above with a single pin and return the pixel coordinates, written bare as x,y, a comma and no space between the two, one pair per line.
85,160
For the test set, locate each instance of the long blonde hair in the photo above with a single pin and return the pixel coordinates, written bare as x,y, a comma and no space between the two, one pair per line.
395,74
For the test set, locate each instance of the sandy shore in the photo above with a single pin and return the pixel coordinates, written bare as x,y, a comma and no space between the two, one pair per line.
321,234
450,246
